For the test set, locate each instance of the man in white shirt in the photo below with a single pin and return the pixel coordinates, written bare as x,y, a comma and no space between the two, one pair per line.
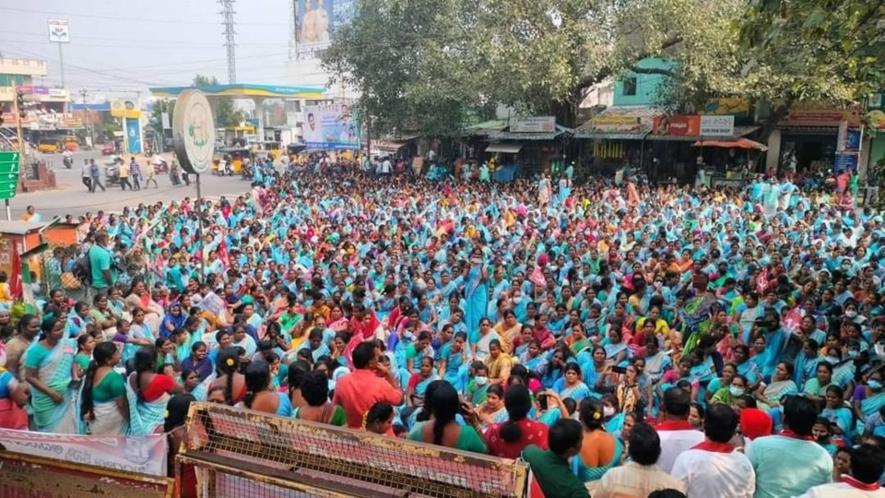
639,476
867,464
676,433
713,467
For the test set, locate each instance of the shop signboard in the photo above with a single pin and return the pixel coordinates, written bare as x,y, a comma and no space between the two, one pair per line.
607,123
9,173
717,126
845,161
727,105
679,125
822,116
533,124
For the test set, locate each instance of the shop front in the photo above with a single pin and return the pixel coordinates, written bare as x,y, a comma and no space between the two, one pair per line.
532,145
705,148
615,139
809,140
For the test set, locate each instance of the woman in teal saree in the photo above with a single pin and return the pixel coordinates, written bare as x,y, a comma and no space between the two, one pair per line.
48,368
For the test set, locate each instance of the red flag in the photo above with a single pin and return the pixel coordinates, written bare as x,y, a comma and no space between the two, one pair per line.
15,279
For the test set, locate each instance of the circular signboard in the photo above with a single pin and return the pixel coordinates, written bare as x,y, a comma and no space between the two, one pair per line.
193,129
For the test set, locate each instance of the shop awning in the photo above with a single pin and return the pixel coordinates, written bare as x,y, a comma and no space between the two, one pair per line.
385,146
508,135
504,148
741,143
739,131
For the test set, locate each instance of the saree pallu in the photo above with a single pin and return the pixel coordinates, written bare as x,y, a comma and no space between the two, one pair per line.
144,416
55,372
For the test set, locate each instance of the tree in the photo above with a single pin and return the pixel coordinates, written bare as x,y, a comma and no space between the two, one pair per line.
225,114
409,61
156,117
811,51
428,61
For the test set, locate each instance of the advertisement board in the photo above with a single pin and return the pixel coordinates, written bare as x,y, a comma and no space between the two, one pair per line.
316,22
133,135
59,31
717,126
533,124
332,126
680,125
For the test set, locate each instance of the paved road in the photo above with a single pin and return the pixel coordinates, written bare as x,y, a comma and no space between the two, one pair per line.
71,196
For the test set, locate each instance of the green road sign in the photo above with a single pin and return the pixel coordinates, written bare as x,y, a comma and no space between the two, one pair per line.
9,173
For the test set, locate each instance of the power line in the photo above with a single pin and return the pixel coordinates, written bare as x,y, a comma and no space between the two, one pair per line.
130,19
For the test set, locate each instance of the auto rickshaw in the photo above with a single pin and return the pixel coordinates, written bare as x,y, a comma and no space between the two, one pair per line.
232,155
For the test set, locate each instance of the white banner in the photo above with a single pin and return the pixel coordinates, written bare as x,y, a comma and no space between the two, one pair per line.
717,126
533,124
144,455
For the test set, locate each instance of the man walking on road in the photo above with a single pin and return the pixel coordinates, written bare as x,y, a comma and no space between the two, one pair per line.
124,175
135,172
95,173
86,175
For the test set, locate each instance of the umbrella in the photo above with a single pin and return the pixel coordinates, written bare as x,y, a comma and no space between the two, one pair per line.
741,143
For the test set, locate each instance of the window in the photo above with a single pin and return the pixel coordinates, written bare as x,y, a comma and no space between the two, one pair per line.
629,86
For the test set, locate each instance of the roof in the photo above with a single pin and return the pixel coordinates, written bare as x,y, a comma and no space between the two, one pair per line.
486,126
504,148
245,90
20,227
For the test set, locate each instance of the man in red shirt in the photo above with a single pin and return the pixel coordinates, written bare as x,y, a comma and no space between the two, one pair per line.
370,383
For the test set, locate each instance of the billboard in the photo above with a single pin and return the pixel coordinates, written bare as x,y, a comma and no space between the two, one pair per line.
133,135
59,31
316,22
332,126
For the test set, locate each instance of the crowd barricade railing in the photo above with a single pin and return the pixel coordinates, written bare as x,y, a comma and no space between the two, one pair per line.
239,452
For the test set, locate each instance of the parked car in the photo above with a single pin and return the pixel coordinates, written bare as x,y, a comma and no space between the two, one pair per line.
108,149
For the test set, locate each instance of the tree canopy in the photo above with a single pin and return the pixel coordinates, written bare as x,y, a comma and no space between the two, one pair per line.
422,64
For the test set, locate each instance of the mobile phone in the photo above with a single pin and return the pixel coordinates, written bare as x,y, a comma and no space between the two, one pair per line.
620,370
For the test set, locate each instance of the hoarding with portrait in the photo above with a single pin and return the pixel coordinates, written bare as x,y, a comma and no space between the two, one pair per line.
332,126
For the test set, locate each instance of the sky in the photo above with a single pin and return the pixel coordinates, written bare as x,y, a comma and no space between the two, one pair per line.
121,47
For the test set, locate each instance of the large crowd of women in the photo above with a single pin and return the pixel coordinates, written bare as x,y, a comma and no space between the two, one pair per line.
595,300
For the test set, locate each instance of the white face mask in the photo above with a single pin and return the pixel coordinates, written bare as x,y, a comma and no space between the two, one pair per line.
481,381
736,391
851,313
608,411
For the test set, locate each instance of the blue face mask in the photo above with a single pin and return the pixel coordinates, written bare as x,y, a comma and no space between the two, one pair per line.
874,384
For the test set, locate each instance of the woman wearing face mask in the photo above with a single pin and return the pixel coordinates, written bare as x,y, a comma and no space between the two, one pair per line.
870,397
728,394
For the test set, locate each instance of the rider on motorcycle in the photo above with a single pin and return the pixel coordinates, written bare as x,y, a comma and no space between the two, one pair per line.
67,158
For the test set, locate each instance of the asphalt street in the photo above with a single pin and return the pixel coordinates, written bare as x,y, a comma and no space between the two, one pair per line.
72,197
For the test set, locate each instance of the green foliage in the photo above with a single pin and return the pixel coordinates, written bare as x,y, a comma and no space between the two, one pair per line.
423,64
813,50
225,114
156,117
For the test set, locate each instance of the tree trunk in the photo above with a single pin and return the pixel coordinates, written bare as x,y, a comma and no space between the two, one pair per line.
777,114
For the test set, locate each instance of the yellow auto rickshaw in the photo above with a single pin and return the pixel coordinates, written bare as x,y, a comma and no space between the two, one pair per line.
233,157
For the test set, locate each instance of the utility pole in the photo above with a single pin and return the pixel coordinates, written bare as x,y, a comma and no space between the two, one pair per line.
227,16
88,120
17,104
